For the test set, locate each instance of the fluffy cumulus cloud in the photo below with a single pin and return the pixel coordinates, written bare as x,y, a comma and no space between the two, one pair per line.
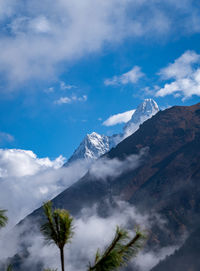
184,74
19,163
29,180
37,35
119,118
131,76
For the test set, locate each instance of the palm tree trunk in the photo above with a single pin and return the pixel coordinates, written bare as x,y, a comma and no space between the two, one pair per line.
62,259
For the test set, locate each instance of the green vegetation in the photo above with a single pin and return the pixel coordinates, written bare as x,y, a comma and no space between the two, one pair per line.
3,218
9,268
58,228
3,221
119,252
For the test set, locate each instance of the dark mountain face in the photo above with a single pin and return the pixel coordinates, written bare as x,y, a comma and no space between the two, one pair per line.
184,259
172,163
166,180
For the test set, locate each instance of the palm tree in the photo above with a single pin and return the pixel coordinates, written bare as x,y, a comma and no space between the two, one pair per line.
58,228
3,218
9,268
3,221
119,252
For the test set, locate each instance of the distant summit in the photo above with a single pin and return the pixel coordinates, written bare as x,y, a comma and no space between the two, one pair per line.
143,112
94,145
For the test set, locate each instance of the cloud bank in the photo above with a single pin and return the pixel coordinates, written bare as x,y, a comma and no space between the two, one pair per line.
119,118
105,167
26,181
44,178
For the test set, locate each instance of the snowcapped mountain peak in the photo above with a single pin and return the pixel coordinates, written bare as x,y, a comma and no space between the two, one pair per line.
148,105
93,136
147,108
93,146
144,111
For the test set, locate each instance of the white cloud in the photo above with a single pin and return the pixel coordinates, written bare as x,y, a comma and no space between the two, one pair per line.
68,100
40,25
49,90
119,118
36,37
185,76
86,240
131,76
19,163
27,190
181,67
146,261
26,181
63,100
64,86
80,99
111,168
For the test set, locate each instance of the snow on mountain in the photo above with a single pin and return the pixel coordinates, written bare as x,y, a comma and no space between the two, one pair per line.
143,112
94,145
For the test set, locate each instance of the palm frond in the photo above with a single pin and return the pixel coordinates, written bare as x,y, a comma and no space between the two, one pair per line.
119,252
134,245
3,218
9,268
58,228
48,228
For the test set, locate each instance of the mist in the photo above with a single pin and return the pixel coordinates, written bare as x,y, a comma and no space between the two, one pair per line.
27,181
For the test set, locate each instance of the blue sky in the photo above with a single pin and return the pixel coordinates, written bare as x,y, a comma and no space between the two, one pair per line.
67,66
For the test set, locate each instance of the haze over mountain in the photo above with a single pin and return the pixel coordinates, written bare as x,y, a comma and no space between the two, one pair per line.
184,259
94,145
155,170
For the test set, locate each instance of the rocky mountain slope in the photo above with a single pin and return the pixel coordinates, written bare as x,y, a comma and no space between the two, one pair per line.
166,179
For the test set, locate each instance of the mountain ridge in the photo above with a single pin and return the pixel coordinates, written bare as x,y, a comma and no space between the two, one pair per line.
95,145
